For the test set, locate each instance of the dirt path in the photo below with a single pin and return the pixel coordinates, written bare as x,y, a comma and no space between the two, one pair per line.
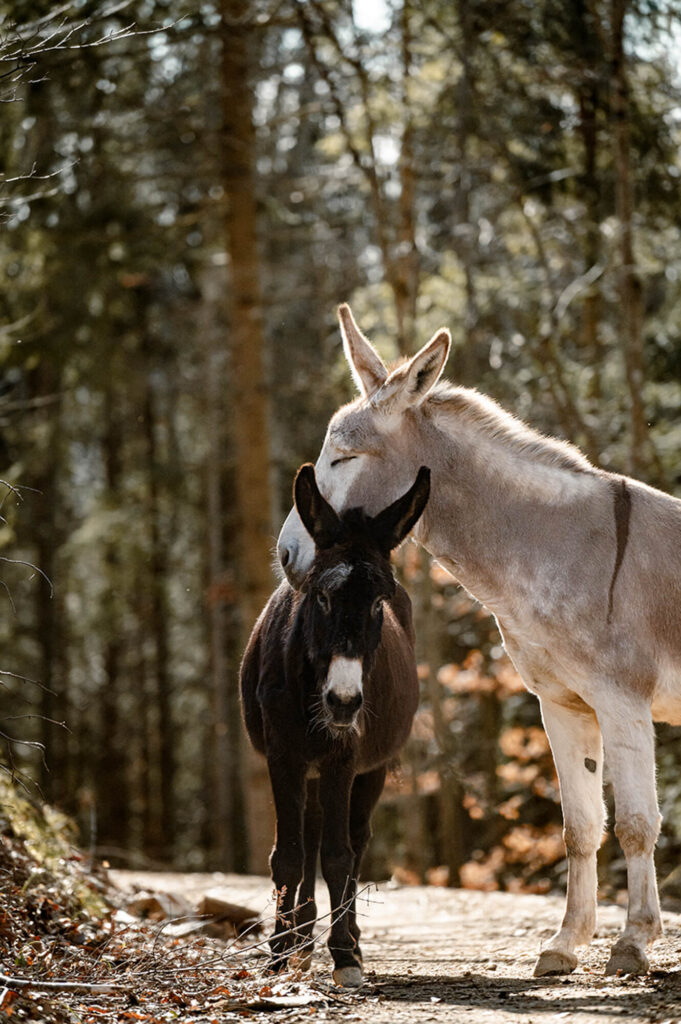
455,955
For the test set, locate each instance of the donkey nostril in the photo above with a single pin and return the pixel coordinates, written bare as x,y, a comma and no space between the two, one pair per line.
355,703
345,706
287,555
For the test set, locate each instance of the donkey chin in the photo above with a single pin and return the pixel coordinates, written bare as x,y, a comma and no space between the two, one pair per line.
342,698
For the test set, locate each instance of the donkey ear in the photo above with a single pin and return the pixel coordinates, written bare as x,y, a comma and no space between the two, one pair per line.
410,383
319,519
392,525
367,367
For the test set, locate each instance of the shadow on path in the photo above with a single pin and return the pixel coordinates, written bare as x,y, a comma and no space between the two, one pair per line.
531,997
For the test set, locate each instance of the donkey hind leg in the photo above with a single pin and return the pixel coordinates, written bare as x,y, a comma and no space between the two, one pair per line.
337,867
286,861
575,740
629,741
306,911
366,790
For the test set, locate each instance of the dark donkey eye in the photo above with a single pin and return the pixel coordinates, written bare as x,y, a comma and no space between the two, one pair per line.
377,605
323,601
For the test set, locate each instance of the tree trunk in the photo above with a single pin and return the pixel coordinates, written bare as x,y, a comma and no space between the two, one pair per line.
589,100
223,769
144,782
450,793
631,298
467,368
222,828
249,389
112,804
45,379
159,630
49,617
405,276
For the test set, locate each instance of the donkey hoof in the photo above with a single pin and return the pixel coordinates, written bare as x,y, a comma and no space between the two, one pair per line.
276,964
348,977
627,959
301,961
550,961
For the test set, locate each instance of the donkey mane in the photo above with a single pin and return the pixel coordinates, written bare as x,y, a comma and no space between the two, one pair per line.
470,406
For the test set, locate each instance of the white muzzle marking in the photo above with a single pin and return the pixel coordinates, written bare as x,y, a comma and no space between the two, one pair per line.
345,677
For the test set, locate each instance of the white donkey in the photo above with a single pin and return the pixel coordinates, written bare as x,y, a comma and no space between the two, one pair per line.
582,570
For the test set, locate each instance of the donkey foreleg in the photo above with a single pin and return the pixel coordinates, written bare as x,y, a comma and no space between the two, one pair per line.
575,740
286,860
306,911
629,741
366,790
338,861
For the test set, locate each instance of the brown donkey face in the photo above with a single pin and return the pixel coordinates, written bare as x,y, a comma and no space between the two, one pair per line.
345,590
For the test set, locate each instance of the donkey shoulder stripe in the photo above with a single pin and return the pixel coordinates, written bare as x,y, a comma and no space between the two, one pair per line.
622,510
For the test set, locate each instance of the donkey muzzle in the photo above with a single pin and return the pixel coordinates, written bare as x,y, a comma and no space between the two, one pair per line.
343,691
343,712
295,549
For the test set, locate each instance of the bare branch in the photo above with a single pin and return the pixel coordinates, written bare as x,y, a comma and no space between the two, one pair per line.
34,744
43,718
12,489
29,403
7,329
63,986
579,284
368,168
22,46
21,561
12,771
19,777
33,174
9,595
17,200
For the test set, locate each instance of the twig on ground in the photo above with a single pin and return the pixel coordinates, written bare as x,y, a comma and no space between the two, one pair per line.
62,986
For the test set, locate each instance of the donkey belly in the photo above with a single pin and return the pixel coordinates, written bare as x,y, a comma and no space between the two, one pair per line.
372,757
666,703
385,732
545,674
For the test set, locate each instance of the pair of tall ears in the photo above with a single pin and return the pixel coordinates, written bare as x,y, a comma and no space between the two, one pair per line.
388,528
407,385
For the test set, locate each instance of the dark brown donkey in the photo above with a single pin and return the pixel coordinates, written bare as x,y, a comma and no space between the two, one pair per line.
329,691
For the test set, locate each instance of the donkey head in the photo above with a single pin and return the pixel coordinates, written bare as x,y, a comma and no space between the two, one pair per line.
345,588
371,450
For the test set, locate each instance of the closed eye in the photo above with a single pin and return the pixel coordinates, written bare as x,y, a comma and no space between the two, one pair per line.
343,458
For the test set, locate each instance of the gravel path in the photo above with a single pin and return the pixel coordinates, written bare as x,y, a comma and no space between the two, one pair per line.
456,955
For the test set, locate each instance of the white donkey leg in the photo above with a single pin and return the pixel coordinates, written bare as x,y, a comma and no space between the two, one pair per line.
578,753
630,749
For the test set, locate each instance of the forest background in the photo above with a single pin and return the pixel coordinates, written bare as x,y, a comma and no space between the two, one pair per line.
188,190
